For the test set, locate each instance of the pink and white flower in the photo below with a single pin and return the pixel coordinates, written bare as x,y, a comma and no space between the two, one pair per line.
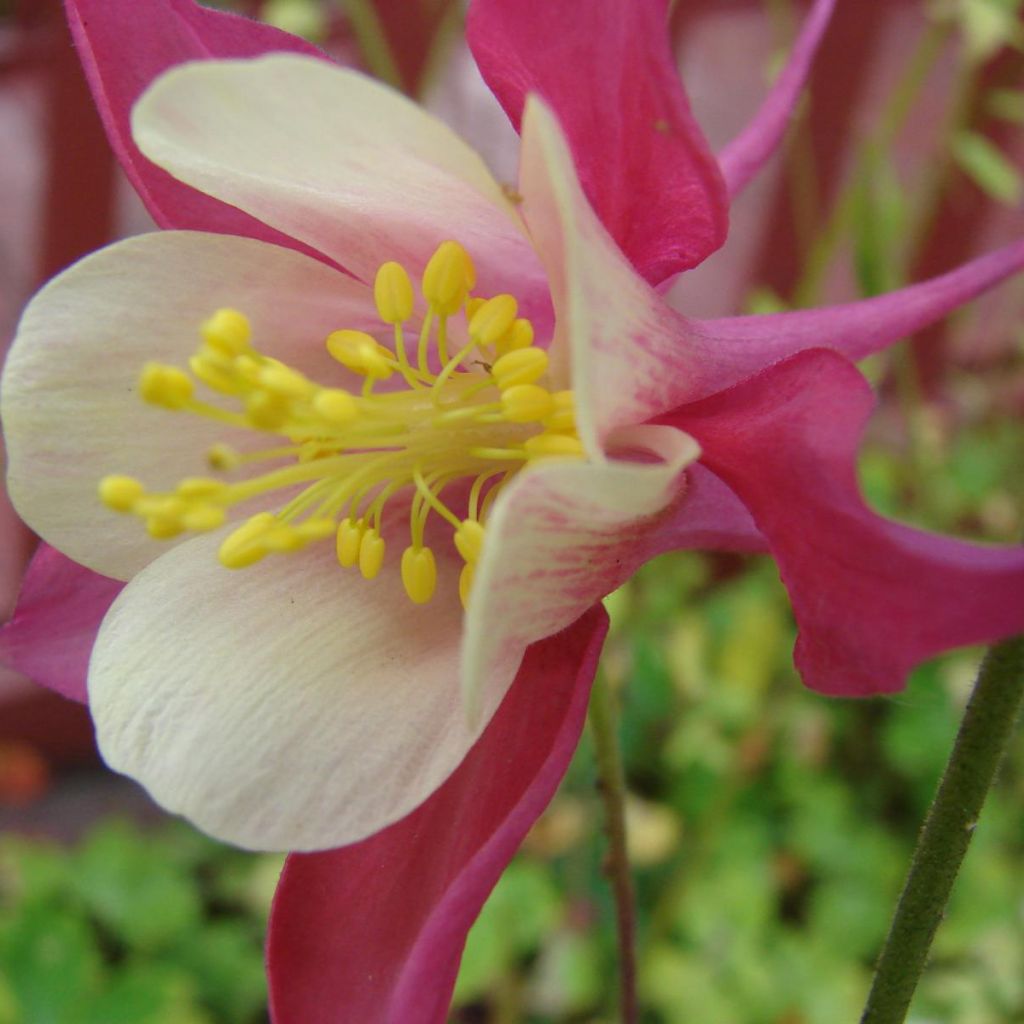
292,705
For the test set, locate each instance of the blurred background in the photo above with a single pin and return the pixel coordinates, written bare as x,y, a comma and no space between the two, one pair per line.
770,827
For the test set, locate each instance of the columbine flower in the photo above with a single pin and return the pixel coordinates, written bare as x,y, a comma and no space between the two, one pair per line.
292,703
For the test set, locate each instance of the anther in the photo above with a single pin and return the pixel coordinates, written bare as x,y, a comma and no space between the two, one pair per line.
227,331
202,516
466,582
371,553
199,487
547,445
165,385
523,366
160,506
563,416
284,381
243,547
526,403
214,372
361,353
163,528
282,539
392,292
350,536
419,573
266,410
120,492
223,457
336,406
493,319
448,278
519,335
469,539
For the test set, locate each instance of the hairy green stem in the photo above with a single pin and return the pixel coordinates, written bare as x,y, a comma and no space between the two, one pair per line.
984,734
612,785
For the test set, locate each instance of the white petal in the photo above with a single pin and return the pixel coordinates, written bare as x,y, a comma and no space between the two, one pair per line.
288,706
70,408
615,335
563,535
337,160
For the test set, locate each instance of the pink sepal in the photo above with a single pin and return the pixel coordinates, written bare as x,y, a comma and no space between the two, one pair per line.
124,45
745,155
609,76
374,932
872,598
55,622
743,344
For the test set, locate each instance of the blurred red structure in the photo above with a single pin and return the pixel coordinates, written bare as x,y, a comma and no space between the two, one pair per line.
74,214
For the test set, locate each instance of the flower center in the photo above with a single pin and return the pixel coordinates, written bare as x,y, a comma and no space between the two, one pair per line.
342,456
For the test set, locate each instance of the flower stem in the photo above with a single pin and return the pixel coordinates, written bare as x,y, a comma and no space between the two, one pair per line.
612,785
983,737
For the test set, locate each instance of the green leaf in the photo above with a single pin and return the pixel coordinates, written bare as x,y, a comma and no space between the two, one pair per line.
149,994
50,965
988,168
134,888
522,909
879,227
31,871
568,979
225,959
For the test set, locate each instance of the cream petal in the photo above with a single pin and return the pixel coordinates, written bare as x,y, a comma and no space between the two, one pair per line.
563,535
614,335
291,705
332,158
70,411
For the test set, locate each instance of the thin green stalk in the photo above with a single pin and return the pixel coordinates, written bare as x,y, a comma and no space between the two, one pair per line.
984,734
603,721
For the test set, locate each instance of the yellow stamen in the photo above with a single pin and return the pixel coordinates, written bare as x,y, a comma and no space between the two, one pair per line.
350,536
562,417
469,539
526,403
371,553
519,335
227,332
466,582
361,353
448,278
493,319
548,445
120,492
392,292
336,406
419,574
165,385
523,366
342,456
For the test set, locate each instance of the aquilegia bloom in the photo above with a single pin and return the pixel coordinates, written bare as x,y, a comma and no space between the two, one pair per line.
292,704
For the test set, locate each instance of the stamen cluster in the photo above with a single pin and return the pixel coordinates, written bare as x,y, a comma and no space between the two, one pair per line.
478,416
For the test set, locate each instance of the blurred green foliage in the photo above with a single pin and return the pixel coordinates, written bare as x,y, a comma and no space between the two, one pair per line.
132,928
